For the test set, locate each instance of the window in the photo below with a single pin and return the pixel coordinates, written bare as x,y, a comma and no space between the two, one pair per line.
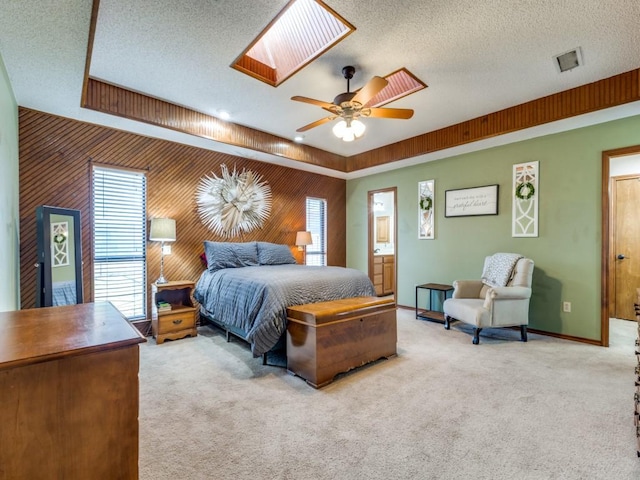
119,240
317,225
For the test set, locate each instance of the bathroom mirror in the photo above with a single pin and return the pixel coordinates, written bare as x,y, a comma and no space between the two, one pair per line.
59,279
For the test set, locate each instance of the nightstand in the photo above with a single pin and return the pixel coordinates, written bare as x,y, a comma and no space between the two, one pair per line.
178,322
433,312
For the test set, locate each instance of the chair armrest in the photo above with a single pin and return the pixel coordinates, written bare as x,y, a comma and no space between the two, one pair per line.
467,288
508,305
506,293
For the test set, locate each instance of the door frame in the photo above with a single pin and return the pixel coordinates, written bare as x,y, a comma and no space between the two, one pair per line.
606,254
370,240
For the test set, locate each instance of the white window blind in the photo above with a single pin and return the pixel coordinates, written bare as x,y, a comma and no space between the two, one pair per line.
119,240
317,225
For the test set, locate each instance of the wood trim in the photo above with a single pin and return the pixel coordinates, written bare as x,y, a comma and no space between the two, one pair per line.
562,336
87,63
370,241
111,99
611,269
144,170
610,92
254,68
606,93
606,253
540,332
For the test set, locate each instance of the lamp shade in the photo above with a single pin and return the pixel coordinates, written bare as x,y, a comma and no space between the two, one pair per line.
162,230
303,238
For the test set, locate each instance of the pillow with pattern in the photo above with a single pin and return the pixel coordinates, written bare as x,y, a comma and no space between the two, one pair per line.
274,254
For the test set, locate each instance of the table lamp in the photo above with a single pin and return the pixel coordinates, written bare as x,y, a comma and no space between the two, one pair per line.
162,230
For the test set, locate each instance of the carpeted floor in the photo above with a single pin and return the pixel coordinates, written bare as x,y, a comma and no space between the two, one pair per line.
442,409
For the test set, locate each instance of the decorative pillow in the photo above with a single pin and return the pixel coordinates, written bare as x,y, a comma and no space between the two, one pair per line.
274,254
230,255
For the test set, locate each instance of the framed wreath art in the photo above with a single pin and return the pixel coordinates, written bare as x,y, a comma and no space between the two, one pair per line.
234,203
425,209
525,200
59,245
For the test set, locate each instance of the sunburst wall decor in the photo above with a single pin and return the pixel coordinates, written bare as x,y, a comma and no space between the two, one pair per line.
235,203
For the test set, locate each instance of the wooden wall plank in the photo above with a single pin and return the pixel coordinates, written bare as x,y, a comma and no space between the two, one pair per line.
114,100
605,93
56,155
599,95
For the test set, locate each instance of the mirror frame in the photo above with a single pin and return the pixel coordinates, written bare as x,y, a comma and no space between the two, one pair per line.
44,283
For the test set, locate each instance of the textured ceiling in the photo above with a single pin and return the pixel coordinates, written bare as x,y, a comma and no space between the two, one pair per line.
477,57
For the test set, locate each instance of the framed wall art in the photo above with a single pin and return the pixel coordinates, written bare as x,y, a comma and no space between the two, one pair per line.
524,222
467,202
426,204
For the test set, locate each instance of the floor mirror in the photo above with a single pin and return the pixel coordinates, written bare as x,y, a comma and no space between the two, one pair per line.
59,279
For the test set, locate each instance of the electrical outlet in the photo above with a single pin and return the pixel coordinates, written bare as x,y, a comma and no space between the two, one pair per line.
566,307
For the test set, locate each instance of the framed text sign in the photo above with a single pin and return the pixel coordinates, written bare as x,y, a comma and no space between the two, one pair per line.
466,202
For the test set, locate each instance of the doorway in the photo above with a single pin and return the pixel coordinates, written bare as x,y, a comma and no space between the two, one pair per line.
382,243
617,270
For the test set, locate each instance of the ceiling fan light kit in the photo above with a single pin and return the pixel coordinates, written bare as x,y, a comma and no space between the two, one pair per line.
350,106
348,130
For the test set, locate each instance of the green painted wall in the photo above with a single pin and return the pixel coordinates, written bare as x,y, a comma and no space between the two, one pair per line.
9,213
566,252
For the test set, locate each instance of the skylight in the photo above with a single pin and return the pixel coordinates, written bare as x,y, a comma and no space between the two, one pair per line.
301,32
401,83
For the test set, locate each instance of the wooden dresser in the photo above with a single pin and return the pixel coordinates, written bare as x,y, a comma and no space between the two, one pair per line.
68,393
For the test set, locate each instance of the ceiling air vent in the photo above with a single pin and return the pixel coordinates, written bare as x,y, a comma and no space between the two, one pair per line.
569,60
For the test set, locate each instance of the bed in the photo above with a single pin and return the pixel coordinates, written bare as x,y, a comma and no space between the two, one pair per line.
247,287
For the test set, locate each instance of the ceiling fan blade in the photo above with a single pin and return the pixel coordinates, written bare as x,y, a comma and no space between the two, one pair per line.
370,90
319,103
317,123
402,113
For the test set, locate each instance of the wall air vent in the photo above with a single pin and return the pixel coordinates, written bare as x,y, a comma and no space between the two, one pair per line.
568,61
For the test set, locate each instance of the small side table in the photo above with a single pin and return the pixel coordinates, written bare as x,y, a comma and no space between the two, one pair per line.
178,322
434,289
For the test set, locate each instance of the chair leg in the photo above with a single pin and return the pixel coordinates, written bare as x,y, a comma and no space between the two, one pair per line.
523,333
476,335
447,322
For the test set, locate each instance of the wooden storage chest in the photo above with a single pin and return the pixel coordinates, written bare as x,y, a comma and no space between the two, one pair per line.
327,338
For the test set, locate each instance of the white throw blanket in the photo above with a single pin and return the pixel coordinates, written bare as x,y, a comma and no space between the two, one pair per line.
499,269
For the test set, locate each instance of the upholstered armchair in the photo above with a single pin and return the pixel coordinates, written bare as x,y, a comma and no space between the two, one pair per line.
484,306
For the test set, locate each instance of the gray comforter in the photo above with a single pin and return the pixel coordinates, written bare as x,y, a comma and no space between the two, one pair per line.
255,299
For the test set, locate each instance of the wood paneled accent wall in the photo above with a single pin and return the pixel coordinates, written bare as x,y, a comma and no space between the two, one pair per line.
56,155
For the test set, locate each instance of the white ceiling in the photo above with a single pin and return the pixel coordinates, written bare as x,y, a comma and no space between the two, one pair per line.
477,57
